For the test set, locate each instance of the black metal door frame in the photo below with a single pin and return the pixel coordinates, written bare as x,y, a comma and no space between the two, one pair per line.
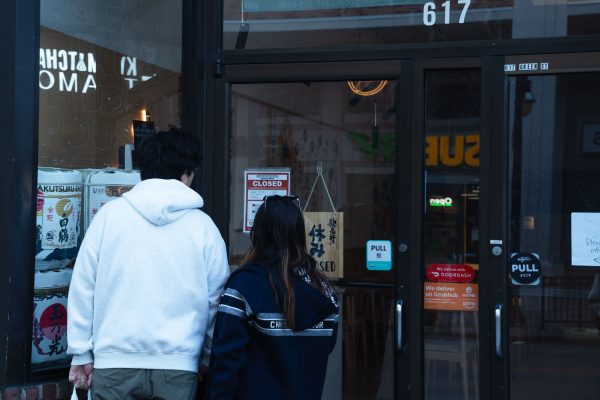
496,79
410,360
392,70
494,189
19,42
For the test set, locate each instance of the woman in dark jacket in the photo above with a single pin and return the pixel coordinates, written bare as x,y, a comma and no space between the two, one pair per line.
277,321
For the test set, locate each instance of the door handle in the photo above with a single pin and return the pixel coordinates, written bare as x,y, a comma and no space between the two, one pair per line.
399,305
498,321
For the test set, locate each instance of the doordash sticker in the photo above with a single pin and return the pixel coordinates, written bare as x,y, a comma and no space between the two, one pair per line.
450,273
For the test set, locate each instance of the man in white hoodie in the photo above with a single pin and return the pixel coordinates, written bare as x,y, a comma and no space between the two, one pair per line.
147,282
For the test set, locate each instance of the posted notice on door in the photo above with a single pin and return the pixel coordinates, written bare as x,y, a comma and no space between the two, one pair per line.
261,183
451,296
585,239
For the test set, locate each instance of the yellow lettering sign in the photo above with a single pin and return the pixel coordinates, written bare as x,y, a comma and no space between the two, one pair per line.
452,151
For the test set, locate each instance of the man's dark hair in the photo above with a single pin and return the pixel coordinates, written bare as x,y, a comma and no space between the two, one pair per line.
168,155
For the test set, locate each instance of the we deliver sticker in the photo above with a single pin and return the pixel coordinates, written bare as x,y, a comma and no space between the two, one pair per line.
451,296
450,273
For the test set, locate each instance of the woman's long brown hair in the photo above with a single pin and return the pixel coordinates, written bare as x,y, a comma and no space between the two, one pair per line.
278,239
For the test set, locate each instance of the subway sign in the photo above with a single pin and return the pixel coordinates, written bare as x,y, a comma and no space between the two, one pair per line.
452,150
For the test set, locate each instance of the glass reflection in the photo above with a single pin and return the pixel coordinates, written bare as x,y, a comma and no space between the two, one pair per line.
108,75
451,235
554,207
250,24
352,136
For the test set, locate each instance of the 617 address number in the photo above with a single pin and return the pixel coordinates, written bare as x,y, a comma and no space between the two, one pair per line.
430,15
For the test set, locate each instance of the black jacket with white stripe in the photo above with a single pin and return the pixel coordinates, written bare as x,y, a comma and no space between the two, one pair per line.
255,355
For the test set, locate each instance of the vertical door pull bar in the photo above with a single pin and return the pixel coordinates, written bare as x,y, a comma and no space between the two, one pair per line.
399,304
498,319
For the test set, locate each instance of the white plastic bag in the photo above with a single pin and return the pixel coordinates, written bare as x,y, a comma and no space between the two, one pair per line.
74,395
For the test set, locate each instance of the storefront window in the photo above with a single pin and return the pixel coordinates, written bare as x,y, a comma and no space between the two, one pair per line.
110,72
250,24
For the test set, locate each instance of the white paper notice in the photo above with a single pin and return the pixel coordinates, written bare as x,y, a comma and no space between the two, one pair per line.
261,183
585,239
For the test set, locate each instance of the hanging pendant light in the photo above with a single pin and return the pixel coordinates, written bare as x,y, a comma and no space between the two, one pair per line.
366,88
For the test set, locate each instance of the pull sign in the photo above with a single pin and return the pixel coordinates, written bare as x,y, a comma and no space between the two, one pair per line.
379,255
525,269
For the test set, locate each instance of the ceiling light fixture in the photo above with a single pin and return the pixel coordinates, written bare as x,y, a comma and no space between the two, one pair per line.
366,88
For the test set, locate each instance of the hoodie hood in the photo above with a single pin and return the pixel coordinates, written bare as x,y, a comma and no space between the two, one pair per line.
162,201
311,306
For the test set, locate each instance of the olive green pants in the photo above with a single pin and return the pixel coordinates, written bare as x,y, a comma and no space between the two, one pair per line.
131,383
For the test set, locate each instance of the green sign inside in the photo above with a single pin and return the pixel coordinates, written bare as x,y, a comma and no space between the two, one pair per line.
440,202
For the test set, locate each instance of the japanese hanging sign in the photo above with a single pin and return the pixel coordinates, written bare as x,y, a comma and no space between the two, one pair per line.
261,183
325,233
325,241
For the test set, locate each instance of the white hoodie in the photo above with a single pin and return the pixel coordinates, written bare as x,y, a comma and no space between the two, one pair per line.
147,281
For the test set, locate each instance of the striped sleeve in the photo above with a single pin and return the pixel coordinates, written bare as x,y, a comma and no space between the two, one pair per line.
234,303
232,337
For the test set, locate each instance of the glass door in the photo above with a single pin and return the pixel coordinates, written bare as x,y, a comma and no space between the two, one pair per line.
449,273
337,141
553,269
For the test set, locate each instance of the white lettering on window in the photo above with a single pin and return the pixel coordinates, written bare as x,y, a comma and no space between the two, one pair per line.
50,78
63,85
89,83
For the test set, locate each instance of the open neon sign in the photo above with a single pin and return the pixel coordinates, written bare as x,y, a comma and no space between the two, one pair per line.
440,202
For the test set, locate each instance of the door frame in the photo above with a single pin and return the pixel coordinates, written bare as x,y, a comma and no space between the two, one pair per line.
342,71
493,377
498,124
410,113
495,191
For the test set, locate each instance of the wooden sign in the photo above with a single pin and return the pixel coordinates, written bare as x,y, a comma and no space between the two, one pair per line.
325,241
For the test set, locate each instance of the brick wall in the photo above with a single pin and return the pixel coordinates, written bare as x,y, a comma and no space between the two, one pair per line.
43,391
